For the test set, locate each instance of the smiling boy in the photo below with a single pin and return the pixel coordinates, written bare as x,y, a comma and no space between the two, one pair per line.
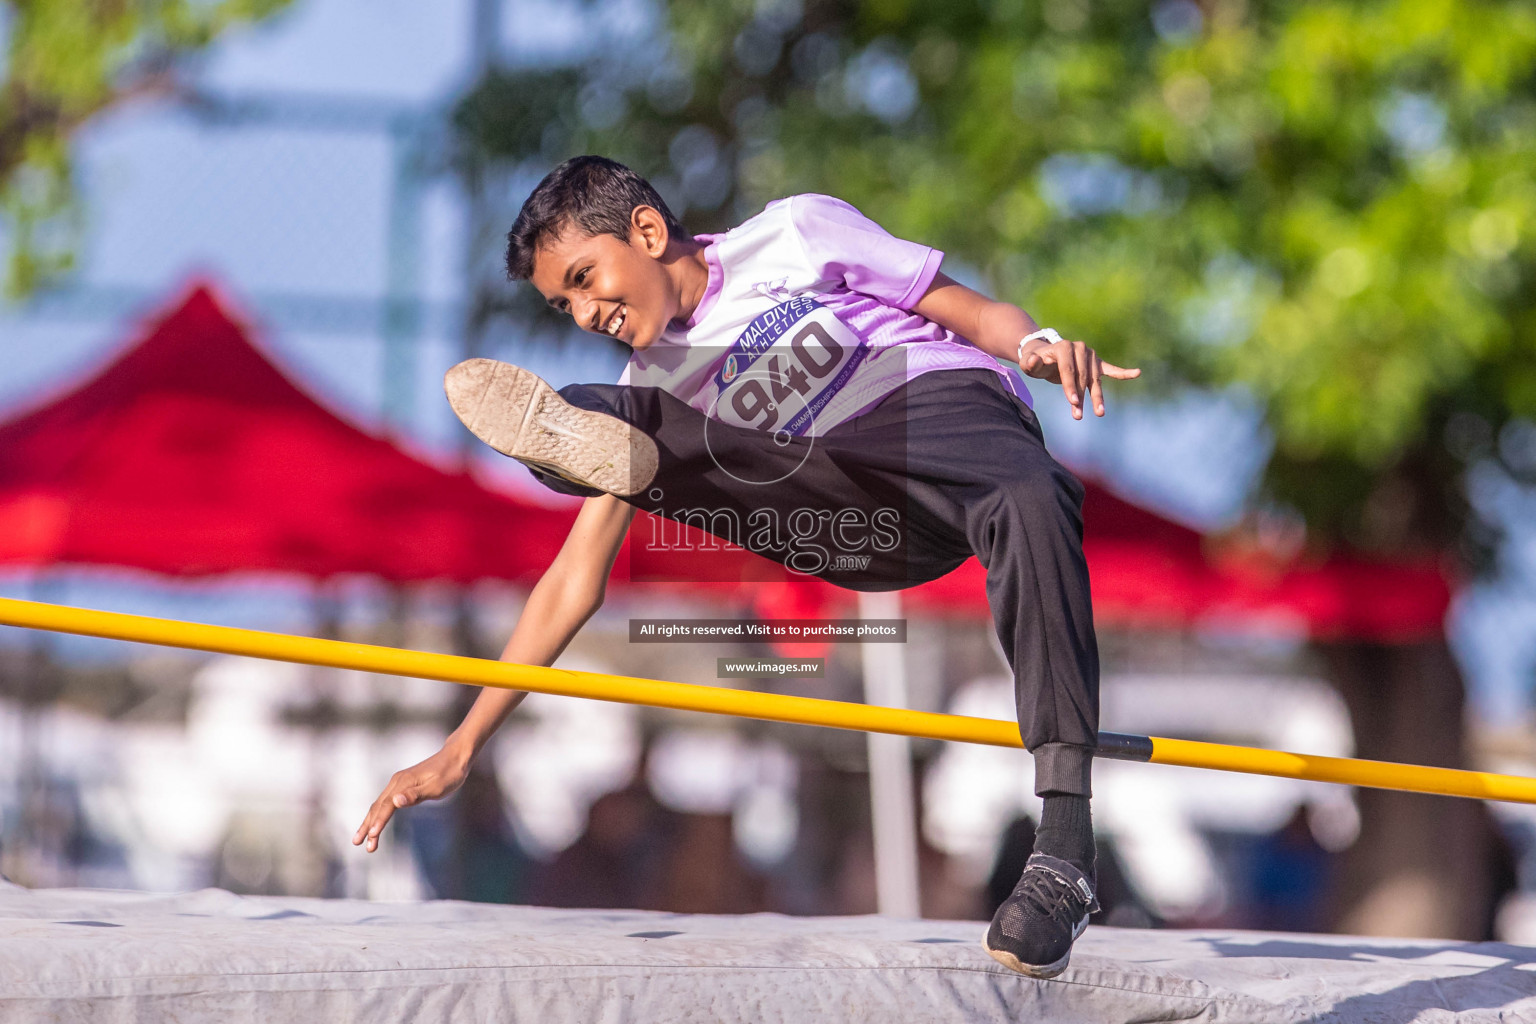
808,367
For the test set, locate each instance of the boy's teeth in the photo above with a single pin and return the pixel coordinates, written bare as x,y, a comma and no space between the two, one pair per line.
616,323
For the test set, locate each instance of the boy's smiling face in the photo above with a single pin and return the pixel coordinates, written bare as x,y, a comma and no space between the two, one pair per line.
609,286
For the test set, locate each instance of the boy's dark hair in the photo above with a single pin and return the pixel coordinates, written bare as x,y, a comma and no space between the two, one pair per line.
596,194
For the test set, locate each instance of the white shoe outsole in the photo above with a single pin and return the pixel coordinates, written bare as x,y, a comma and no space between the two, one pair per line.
1042,971
1013,963
514,411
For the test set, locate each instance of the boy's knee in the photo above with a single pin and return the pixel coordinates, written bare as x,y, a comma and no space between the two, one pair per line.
1039,492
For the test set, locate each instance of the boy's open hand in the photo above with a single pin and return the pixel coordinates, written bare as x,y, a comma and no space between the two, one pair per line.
436,777
1077,368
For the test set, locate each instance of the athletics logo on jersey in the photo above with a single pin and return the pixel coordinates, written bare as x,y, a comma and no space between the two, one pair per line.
785,367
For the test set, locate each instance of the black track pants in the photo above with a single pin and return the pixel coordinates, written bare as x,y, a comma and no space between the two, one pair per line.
947,466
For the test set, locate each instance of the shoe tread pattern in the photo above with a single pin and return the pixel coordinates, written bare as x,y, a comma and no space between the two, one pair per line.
516,412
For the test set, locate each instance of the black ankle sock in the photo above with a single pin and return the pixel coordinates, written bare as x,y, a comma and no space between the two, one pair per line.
1066,830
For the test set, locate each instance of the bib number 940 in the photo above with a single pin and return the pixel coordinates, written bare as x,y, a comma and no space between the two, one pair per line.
788,378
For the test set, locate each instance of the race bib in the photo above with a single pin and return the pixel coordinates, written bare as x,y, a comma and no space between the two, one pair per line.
785,367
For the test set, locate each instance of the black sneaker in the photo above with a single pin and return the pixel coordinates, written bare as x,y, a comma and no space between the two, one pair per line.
1033,931
518,414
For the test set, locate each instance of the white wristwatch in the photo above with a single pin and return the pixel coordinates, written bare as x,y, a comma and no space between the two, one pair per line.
1048,333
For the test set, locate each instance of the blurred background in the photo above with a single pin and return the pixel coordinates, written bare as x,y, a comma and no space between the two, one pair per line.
243,239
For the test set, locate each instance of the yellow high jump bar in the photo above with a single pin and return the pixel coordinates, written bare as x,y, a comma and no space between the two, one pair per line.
747,704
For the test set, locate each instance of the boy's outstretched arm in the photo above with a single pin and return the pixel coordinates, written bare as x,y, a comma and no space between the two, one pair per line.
565,597
997,328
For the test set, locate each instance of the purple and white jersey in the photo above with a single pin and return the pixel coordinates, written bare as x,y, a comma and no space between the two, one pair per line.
806,322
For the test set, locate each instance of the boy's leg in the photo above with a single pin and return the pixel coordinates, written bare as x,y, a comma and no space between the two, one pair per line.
777,495
975,464
821,500
1026,529
975,459
966,464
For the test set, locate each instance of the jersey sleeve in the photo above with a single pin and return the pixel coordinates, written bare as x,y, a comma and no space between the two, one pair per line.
840,243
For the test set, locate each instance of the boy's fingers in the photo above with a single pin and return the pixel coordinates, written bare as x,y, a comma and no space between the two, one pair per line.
380,819
367,825
1120,372
379,816
1083,356
401,792
1095,388
1075,370
373,825
1067,369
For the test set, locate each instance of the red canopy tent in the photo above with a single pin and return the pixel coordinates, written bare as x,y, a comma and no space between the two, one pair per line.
190,454
1150,572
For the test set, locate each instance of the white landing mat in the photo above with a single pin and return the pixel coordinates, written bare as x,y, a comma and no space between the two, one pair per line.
71,956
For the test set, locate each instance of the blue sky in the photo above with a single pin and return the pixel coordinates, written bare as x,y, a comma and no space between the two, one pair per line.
276,212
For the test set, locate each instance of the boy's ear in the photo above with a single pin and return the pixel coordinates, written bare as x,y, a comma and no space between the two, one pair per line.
648,229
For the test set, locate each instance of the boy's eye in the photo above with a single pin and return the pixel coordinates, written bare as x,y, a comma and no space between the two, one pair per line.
581,276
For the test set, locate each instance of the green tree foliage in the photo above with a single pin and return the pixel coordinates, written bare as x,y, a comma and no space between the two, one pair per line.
1328,204
65,61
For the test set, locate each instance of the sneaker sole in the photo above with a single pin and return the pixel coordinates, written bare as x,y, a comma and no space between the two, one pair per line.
1042,971
517,413
1013,963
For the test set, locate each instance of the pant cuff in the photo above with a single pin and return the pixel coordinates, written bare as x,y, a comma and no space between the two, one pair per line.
1063,768
564,486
